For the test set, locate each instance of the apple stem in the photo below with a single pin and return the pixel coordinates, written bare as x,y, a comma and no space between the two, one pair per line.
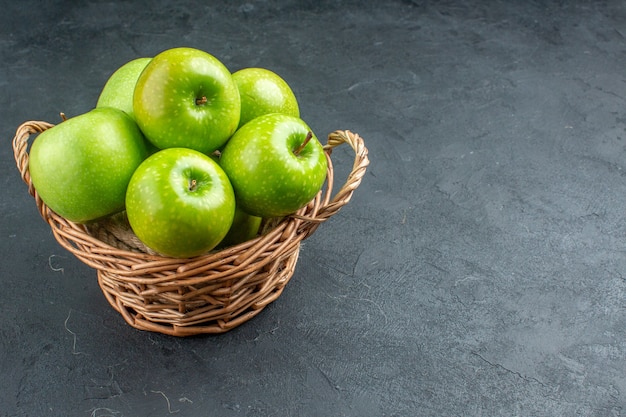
297,151
192,185
202,100
63,116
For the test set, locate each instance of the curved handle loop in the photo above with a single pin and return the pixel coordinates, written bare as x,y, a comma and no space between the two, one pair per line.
359,166
20,145
332,204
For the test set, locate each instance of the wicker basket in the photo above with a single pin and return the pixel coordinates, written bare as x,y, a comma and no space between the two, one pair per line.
212,293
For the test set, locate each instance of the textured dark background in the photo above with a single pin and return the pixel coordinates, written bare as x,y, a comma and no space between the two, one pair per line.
478,271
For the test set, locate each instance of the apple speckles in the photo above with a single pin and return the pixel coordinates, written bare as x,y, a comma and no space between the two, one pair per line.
269,180
81,167
165,101
167,216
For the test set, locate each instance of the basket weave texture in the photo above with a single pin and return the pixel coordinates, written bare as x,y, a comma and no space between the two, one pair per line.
211,293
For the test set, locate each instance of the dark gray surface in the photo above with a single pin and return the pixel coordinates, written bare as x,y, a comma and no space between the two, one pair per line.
478,271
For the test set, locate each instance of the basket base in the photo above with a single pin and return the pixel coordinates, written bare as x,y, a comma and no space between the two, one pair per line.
192,309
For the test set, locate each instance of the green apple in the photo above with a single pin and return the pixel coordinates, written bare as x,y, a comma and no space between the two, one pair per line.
263,92
119,89
180,203
187,98
276,165
82,166
244,228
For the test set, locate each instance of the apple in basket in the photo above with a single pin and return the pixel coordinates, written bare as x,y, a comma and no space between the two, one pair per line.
180,203
244,228
119,88
81,167
275,164
186,98
262,91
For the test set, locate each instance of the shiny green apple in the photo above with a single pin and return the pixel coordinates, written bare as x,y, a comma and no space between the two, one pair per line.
262,91
119,89
275,164
244,228
180,203
82,166
186,97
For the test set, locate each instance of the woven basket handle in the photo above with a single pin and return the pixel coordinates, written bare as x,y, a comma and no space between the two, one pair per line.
20,152
332,205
